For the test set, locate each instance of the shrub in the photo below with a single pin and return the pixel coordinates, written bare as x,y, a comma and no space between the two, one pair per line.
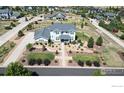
70,61
29,46
12,24
80,63
97,64
8,27
20,34
56,61
47,62
39,61
70,51
57,52
31,62
82,25
88,63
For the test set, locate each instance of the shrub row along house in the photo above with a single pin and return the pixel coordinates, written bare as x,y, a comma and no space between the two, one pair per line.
57,32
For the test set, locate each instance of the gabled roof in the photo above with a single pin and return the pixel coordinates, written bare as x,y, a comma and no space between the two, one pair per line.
109,14
45,32
16,14
57,15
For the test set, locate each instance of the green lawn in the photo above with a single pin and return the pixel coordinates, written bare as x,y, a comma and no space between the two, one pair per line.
85,58
43,56
82,36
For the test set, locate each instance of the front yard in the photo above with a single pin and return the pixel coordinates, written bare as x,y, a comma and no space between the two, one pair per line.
88,60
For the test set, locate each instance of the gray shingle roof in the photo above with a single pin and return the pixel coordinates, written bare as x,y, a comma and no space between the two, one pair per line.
57,15
110,14
45,33
4,11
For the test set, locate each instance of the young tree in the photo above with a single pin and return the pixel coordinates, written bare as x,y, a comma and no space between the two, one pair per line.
49,41
30,27
29,46
99,41
90,42
82,25
17,69
12,24
20,34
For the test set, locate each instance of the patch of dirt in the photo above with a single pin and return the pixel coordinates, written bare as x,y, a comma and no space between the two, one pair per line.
121,54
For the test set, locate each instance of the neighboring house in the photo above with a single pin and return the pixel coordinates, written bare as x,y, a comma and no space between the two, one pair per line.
15,15
110,16
56,32
95,10
5,14
57,15
99,17
8,14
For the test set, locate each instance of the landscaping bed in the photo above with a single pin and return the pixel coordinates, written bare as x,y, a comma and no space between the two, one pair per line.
41,58
88,60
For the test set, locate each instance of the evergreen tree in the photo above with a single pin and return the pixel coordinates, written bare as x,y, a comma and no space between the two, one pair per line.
90,42
99,41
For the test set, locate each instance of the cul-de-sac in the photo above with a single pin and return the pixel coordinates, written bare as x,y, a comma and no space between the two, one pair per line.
74,37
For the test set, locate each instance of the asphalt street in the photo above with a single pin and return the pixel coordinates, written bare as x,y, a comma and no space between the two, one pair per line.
46,71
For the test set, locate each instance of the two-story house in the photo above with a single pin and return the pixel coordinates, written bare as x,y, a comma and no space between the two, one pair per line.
57,32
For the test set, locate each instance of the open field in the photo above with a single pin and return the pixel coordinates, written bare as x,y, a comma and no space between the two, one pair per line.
4,24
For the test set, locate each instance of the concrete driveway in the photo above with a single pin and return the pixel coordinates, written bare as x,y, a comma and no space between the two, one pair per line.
8,35
19,49
114,38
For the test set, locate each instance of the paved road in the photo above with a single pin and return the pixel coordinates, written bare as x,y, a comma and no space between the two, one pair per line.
8,35
114,38
19,49
59,71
